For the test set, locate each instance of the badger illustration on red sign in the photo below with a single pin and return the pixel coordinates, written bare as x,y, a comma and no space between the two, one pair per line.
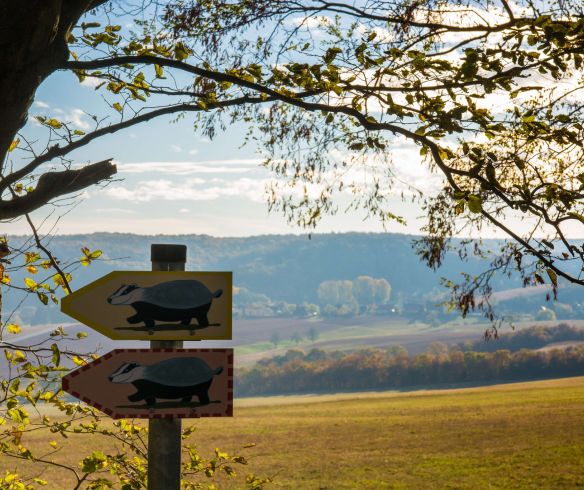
171,379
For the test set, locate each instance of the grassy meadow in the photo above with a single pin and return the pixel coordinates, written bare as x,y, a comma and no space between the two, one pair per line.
522,435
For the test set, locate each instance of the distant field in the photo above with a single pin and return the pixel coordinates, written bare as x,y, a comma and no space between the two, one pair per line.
363,332
523,435
252,337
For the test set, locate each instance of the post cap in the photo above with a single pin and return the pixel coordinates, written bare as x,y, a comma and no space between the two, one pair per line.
168,253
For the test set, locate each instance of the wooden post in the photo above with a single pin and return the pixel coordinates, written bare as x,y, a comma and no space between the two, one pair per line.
164,441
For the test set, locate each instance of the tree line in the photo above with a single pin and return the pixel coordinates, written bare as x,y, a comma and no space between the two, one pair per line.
363,295
374,369
528,338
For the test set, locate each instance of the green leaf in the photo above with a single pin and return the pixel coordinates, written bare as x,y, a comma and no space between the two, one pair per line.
56,357
475,203
181,52
93,463
331,54
159,71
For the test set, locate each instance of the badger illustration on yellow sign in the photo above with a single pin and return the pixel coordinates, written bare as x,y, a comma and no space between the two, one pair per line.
139,305
156,383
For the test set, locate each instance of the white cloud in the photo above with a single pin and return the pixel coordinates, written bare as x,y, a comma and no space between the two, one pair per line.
91,82
184,210
115,211
189,190
77,118
175,148
194,151
232,166
309,22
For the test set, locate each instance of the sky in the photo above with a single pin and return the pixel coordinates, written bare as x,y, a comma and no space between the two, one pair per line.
172,180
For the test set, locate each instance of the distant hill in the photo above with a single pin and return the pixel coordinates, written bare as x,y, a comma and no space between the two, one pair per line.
283,267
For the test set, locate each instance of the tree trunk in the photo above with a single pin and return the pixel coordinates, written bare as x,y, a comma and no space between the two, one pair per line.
33,43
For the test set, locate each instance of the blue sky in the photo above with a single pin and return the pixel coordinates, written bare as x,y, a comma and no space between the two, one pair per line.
172,180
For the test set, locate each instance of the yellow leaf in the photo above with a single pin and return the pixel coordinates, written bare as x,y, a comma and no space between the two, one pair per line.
13,145
30,283
553,276
32,269
117,106
53,444
31,257
5,279
13,328
54,123
77,360
18,356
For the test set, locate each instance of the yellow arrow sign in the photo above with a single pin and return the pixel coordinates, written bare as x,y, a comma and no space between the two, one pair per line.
140,305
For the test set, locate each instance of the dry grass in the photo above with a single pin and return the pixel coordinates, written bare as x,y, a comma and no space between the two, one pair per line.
524,435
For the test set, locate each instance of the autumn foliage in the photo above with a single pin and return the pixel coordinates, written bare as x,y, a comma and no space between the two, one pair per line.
377,369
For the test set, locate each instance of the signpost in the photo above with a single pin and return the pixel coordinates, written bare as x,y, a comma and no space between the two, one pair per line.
161,305
164,383
157,383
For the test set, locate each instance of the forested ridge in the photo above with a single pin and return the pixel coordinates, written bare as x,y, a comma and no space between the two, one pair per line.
288,268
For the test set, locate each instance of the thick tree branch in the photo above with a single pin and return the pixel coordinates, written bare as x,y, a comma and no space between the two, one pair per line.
56,184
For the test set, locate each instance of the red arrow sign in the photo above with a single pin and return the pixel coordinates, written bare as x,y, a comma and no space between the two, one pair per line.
157,383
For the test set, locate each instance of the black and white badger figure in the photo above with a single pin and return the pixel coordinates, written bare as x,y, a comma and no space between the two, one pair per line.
171,301
171,379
